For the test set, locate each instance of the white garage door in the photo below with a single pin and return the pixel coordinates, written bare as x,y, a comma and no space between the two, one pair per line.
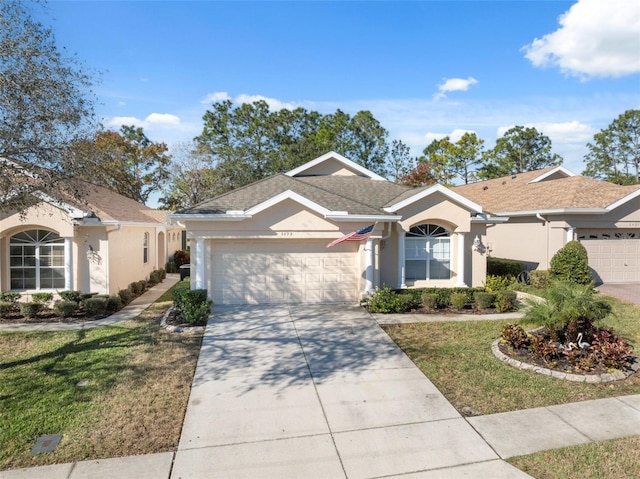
283,272
613,255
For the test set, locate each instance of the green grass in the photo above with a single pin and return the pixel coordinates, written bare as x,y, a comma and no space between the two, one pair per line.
457,358
617,459
139,378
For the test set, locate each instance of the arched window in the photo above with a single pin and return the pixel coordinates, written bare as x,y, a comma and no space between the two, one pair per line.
36,260
145,248
427,253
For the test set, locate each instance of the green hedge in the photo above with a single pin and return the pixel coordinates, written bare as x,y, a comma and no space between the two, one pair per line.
503,267
192,305
443,295
571,264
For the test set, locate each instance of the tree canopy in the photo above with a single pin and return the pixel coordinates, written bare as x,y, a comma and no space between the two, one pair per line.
519,150
126,162
614,154
45,106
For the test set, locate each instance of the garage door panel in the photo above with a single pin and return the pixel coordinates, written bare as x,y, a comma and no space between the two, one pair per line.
613,255
288,271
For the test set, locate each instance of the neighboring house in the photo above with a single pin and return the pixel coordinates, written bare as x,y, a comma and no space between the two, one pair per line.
100,244
267,242
548,207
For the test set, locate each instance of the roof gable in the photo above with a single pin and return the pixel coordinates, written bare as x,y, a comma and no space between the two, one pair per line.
331,164
434,189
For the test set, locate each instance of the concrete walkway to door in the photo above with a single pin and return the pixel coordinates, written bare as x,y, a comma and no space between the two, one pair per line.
319,391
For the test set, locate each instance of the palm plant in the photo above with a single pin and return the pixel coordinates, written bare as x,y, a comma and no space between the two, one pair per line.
570,308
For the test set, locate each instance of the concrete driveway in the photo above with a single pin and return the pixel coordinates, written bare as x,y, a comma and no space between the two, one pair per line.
319,391
625,291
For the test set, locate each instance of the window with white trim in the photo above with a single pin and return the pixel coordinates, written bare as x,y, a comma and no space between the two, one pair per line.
145,248
36,260
427,253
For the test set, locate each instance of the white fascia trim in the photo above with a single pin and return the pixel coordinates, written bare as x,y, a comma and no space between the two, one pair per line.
210,217
373,218
557,169
488,219
559,211
436,189
290,195
624,200
72,211
333,155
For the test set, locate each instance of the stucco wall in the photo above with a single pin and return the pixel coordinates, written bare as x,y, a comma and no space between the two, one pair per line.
125,257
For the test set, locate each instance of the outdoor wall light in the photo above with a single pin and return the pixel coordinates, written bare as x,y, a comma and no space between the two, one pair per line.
477,245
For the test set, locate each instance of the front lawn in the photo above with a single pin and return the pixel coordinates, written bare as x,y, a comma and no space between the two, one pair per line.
111,391
457,358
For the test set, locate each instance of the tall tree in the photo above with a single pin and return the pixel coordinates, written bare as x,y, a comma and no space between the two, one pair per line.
45,105
192,179
400,162
440,154
520,149
369,142
468,156
126,162
614,154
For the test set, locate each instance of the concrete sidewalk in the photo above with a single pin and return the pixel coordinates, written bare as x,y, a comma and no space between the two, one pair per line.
130,311
321,391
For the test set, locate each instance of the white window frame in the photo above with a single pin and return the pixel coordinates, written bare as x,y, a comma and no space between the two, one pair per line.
145,248
45,244
427,243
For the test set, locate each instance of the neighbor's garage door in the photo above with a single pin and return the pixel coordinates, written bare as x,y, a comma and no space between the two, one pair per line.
283,272
613,255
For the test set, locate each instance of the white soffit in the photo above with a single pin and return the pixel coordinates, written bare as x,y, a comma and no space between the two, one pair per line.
453,196
336,156
623,200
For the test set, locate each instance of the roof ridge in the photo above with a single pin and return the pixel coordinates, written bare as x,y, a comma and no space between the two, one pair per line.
343,196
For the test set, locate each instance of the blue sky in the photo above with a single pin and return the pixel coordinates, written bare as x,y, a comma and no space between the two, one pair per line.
424,69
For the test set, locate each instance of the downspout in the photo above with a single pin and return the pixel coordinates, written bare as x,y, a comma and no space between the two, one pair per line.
545,223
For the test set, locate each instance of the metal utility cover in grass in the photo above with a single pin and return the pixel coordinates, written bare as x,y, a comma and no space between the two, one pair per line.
46,443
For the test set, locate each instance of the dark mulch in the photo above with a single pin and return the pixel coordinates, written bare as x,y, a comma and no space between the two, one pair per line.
47,317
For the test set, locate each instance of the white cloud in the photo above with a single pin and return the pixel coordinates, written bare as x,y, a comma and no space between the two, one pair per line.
454,84
454,136
154,120
162,119
214,97
596,38
559,133
274,104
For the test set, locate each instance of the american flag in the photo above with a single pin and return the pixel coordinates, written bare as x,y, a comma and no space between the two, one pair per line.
360,235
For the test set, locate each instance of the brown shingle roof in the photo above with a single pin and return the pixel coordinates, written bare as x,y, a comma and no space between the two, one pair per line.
517,193
354,194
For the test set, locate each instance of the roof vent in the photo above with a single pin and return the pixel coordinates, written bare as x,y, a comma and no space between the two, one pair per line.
513,177
504,182
485,188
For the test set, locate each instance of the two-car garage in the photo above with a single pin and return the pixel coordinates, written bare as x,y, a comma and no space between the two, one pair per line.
614,255
283,271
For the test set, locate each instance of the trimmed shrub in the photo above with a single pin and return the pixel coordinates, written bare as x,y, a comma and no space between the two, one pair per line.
192,305
70,295
113,303
155,276
171,267
65,308
503,267
429,300
459,300
31,309
494,284
6,308
163,274
43,298
505,301
125,295
138,287
539,278
9,297
95,306
571,264
483,300
181,257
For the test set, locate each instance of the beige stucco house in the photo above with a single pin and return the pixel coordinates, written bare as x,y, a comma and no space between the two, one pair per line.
267,242
546,208
100,244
